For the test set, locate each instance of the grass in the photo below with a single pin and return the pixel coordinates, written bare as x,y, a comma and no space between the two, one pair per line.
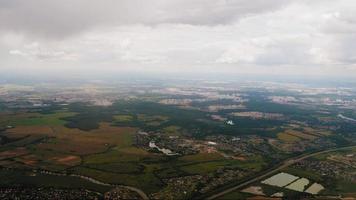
201,157
316,132
172,130
285,137
201,163
321,156
124,161
36,119
22,141
206,163
235,195
110,156
203,168
24,131
345,186
107,152
123,164
343,152
50,160
149,118
123,118
120,168
170,172
301,135
255,164
75,141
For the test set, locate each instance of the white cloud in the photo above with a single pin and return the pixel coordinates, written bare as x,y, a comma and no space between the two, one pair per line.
296,36
34,51
17,52
61,18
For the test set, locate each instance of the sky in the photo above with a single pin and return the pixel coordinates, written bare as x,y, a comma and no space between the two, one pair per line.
262,37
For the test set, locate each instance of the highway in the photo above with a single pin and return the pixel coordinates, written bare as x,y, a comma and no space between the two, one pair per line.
283,165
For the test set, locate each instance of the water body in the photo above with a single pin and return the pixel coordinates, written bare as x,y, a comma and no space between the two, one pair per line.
168,152
346,118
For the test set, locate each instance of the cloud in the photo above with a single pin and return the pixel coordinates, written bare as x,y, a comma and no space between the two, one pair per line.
67,17
17,52
299,35
34,51
260,36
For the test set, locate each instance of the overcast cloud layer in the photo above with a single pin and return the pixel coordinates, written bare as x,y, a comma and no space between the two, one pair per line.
315,37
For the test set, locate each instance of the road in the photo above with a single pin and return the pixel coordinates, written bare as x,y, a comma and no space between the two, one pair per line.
346,118
283,165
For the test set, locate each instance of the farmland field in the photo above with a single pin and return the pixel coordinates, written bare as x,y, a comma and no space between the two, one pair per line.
101,147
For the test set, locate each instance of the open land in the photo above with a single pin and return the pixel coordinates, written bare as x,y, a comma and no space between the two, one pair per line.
178,142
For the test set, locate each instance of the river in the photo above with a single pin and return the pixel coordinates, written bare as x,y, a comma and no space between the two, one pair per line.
346,118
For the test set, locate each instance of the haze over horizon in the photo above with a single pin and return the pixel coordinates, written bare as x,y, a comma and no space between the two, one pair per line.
177,99
104,38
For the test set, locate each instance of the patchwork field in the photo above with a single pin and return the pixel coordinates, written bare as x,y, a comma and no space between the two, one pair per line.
307,133
35,119
105,153
111,145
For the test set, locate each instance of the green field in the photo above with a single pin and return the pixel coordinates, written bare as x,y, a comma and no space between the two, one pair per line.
203,168
36,119
235,195
123,118
345,186
101,143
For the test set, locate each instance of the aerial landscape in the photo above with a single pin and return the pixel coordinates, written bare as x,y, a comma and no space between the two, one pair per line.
177,100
